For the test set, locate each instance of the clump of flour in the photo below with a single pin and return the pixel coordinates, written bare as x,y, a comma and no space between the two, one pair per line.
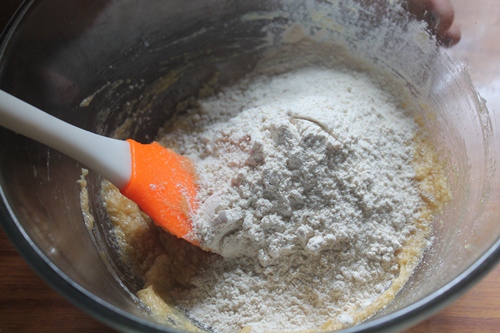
307,191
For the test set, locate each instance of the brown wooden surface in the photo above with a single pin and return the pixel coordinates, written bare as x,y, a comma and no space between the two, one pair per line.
27,304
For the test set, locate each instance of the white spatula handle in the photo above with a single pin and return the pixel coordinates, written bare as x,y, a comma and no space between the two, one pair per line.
109,157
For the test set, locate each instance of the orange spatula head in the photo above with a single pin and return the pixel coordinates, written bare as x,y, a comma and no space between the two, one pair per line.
163,184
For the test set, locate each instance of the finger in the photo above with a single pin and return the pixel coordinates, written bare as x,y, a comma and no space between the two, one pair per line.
438,14
450,37
445,15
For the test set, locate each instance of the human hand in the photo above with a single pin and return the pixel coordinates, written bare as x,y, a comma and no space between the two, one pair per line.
439,15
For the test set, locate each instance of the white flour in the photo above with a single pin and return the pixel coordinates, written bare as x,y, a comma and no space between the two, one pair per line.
309,177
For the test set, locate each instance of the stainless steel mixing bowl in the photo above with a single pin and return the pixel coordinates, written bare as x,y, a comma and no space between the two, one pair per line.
96,64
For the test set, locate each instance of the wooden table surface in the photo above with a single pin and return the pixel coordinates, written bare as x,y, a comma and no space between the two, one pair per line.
27,304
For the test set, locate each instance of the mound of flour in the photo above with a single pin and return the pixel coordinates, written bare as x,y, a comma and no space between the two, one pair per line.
307,193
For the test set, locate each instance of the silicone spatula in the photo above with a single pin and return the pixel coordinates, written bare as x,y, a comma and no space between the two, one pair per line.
161,182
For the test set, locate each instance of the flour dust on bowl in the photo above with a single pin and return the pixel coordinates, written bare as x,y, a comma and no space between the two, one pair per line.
345,164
